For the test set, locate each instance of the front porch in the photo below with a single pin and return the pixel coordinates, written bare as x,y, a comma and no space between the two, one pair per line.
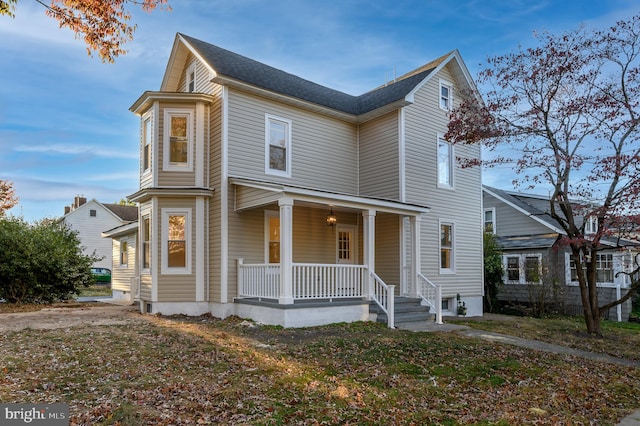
320,291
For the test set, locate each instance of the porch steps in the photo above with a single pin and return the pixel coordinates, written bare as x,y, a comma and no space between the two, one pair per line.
406,310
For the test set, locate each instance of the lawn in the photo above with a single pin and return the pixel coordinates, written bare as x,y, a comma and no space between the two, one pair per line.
202,370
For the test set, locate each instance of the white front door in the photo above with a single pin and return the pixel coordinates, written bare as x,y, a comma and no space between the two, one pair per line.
346,244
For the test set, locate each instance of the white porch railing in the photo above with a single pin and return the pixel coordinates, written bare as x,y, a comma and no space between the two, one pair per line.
261,281
383,295
317,281
431,294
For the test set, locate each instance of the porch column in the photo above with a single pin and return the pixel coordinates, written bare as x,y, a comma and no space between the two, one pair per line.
369,245
415,255
286,250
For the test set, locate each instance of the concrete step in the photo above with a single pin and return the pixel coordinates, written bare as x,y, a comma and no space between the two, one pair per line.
406,310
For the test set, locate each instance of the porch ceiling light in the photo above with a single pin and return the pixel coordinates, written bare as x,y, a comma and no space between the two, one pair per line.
331,218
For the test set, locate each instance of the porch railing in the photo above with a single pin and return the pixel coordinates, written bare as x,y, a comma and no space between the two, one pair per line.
383,295
431,294
318,281
261,281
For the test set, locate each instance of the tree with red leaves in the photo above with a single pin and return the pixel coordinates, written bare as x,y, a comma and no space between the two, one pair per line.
8,197
103,25
566,115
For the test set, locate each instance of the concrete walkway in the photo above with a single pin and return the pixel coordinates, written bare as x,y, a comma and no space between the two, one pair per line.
631,420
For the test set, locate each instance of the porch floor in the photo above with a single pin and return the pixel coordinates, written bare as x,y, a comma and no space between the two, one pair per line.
301,304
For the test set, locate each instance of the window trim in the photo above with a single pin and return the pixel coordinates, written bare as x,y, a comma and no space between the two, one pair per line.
165,213
167,164
187,83
452,268
522,278
614,270
147,140
449,86
493,219
268,118
451,156
143,234
591,225
124,242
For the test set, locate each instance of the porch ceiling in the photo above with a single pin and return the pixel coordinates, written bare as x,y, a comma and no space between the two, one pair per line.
268,192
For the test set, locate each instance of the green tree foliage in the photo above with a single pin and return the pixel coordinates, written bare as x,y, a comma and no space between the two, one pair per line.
41,262
492,271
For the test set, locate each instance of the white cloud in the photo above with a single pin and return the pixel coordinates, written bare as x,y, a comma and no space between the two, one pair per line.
78,150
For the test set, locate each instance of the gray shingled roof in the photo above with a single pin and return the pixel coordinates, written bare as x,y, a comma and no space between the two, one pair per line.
527,241
521,200
238,67
126,213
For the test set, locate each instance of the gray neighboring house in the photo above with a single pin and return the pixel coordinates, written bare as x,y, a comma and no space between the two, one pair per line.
91,218
533,255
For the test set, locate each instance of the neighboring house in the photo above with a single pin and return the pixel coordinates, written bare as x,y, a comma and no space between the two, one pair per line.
535,260
270,197
124,270
90,219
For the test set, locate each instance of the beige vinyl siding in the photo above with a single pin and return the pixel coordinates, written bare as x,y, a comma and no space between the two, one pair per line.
323,150
178,287
145,287
121,275
512,222
172,178
215,182
252,197
388,262
379,158
460,206
203,77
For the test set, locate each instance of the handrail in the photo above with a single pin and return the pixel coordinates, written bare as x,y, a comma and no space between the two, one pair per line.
383,295
432,294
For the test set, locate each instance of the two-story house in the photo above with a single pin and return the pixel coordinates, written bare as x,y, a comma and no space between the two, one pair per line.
270,197
537,265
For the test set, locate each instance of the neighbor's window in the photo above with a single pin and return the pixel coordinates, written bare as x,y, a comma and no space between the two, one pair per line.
146,243
490,220
124,252
146,150
178,140
513,268
446,247
446,92
604,268
445,163
532,269
591,225
176,250
277,146
272,232
92,213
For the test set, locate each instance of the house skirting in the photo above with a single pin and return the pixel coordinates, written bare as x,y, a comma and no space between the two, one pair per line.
302,314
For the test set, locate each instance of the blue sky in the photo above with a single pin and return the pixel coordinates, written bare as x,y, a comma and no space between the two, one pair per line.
65,127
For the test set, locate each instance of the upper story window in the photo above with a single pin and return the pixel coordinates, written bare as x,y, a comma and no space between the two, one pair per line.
146,141
446,247
591,225
93,213
490,220
191,79
178,140
277,146
446,95
176,241
445,163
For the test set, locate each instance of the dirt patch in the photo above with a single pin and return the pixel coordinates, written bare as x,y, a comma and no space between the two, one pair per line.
66,317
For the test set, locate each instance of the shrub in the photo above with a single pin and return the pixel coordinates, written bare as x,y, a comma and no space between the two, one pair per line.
41,262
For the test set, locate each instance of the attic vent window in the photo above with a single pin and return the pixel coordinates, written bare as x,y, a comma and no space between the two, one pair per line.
92,213
191,79
446,99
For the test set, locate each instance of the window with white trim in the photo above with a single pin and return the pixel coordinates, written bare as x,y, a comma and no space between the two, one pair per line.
146,242
178,139
525,268
446,95
604,268
490,220
146,145
446,248
272,236
277,146
191,79
591,225
124,252
176,241
445,163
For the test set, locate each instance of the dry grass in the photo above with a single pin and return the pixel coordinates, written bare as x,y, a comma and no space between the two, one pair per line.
202,370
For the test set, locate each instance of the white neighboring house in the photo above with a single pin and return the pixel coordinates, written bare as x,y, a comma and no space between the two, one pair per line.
90,219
